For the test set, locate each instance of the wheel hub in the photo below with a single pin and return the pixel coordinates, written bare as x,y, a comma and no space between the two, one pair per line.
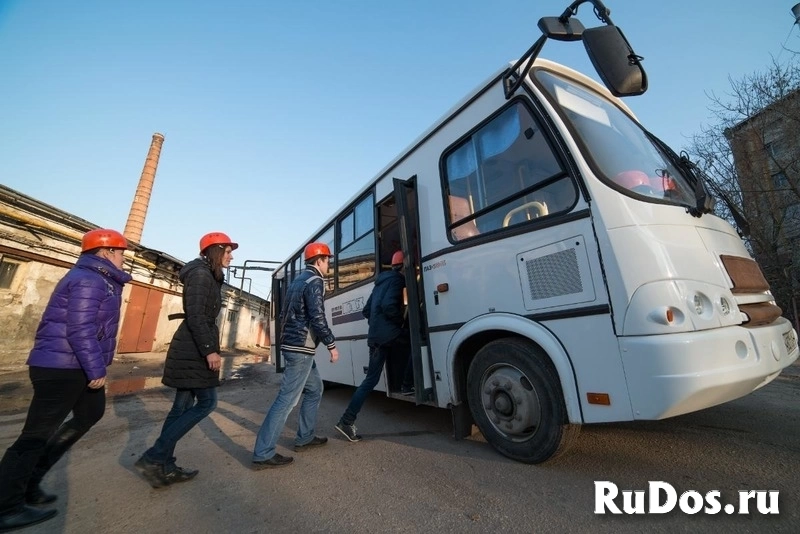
510,402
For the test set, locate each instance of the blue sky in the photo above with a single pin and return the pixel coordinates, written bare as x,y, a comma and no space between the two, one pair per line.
276,113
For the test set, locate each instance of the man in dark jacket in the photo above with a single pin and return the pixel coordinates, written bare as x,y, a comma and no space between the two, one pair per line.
304,327
384,312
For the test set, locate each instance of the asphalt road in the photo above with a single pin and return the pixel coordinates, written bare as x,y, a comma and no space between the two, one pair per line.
409,475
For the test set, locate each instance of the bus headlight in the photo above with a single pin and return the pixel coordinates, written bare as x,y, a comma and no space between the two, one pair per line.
724,306
698,305
672,306
701,305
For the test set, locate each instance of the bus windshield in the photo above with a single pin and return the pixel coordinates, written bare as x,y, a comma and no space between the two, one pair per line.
620,152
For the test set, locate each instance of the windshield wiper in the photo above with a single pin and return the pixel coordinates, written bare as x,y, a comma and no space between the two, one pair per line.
705,202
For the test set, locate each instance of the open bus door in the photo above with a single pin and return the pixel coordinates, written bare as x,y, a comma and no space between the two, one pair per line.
405,195
279,284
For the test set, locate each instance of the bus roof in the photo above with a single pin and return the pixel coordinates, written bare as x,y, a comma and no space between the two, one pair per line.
484,86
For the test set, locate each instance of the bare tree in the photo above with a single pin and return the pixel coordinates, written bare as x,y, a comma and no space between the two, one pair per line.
752,154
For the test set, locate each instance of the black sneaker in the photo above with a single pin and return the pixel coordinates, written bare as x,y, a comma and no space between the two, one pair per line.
276,461
407,391
315,442
348,431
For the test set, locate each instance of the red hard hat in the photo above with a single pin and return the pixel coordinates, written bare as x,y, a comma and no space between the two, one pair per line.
103,238
631,179
397,258
316,249
217,238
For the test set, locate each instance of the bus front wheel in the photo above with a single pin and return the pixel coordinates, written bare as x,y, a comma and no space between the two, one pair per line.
516,401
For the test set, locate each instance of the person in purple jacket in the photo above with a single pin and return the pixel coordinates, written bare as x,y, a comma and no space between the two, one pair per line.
74,344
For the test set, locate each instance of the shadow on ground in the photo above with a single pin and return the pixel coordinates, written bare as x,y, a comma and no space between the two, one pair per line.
128,374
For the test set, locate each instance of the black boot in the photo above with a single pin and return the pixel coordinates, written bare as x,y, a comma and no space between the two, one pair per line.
35,496
15,472
23,516
64,438
183,472
153,473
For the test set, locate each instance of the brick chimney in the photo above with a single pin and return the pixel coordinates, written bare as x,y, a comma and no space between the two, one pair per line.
135,224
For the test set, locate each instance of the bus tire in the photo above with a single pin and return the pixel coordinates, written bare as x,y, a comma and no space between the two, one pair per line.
516,401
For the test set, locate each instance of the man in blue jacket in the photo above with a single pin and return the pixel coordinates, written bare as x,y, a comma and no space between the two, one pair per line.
384,312
304,327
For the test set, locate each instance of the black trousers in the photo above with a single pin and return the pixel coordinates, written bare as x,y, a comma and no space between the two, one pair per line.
46,437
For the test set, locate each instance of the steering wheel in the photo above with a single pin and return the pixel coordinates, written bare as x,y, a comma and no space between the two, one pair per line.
540,207
636,181
644,190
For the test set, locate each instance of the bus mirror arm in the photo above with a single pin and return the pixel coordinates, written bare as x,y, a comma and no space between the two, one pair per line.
512,80
600,11
611,54
556,28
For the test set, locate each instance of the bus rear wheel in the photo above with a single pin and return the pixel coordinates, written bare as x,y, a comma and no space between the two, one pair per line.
516,401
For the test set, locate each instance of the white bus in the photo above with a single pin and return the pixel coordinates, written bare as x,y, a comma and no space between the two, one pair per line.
563,265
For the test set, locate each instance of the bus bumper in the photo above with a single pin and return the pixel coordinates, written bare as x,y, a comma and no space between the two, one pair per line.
673,374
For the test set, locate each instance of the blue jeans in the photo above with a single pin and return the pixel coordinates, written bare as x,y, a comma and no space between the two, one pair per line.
300,377
377,357
183,416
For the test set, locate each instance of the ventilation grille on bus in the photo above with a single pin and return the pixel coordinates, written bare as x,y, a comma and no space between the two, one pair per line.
746,275
554,275
748,281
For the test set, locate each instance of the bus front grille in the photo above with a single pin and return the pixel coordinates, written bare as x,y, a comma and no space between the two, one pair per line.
748,282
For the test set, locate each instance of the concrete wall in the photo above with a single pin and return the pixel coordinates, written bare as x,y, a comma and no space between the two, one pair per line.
240,319
21,307
166,328
45,242
240,333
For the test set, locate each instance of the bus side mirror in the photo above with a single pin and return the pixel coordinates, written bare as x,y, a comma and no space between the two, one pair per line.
614,60
554,28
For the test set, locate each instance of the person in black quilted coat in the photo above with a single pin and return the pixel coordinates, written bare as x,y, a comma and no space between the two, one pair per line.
75,343
193,360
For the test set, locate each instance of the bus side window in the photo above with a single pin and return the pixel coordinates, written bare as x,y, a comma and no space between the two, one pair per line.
503,171
355,260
